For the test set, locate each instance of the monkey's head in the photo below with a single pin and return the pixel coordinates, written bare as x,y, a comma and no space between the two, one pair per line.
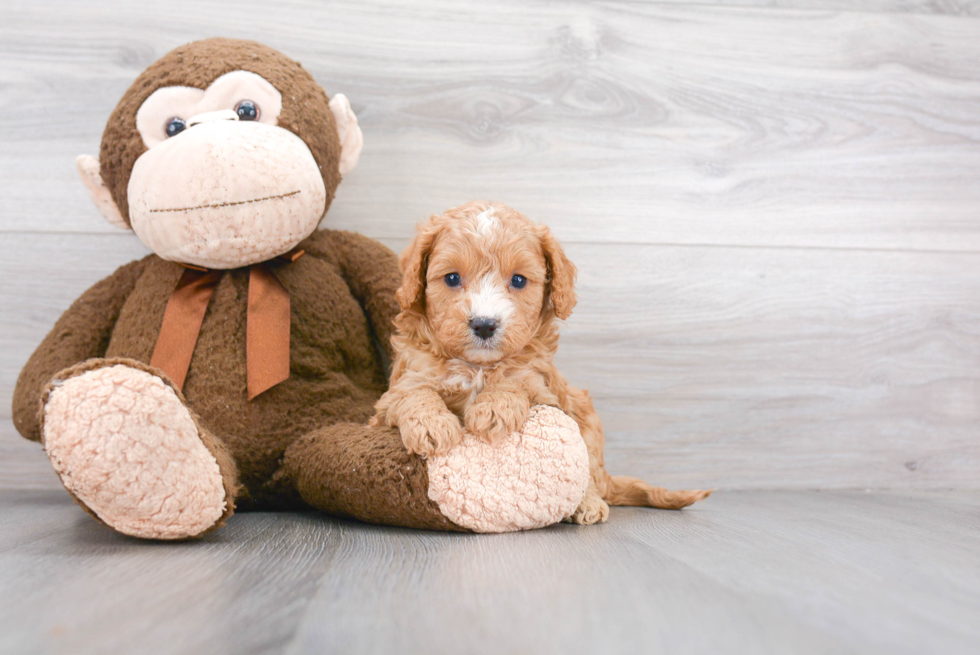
222,154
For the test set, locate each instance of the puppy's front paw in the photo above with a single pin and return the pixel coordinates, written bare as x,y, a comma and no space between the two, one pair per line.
431,434
592,510
494,418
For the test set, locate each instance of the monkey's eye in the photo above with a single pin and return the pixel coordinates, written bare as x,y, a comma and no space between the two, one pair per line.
518,281
247,111
453,280
175,126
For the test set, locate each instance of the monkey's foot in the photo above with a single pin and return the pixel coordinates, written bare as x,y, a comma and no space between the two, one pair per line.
126,447
531,478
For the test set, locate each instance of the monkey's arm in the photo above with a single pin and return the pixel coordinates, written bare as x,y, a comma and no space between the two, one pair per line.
370,270
81,333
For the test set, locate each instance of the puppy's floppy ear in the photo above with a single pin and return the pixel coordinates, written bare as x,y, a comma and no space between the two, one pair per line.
561,274
414,263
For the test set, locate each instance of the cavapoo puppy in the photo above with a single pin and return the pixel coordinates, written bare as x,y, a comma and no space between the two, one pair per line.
477,338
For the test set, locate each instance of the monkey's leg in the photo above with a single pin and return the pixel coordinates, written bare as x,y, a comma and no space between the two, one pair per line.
364,473
532,478
132,454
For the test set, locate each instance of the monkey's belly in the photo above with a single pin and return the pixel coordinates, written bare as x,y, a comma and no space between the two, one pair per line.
335,373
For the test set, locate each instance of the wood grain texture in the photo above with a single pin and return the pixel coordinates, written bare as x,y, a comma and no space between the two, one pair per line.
736,367
951,7
749,573
663,123
744,572
772,203
710,366
82,588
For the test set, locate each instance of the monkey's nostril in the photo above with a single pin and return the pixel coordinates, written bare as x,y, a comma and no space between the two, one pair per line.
484,328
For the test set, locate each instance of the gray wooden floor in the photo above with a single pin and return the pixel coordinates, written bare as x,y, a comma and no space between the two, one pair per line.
745,572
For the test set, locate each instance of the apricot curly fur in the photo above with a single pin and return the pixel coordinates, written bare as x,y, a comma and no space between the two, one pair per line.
444,375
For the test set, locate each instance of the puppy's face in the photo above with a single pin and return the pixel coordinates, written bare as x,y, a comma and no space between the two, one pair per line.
483,278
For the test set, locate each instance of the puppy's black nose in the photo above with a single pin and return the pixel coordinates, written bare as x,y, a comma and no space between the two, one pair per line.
484,327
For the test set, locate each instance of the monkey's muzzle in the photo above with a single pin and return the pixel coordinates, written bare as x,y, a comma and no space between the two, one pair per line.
225,194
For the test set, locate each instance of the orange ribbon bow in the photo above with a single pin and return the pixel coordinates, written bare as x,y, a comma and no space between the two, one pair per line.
266,326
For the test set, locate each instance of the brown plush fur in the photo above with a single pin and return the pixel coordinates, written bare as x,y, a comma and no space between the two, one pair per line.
443,372
305,109
364,473
342,295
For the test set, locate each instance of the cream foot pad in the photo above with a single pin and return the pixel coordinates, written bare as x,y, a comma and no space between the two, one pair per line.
127,447
533,478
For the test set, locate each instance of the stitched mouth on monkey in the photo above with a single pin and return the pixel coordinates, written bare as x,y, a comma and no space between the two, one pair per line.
225,204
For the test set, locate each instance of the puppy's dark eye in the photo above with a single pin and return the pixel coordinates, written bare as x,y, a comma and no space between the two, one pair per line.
175,126
453,280
247,111
518,281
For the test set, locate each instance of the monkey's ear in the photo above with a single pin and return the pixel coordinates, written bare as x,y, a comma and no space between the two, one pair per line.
351,140
88,170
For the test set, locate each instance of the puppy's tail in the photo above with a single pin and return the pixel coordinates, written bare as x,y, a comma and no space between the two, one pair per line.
624,490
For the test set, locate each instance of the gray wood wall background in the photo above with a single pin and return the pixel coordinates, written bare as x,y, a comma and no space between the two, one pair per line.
774,205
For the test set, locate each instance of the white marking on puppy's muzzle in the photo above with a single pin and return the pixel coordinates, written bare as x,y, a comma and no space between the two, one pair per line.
490,299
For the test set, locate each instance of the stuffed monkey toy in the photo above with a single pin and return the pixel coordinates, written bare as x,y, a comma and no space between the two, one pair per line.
238,364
